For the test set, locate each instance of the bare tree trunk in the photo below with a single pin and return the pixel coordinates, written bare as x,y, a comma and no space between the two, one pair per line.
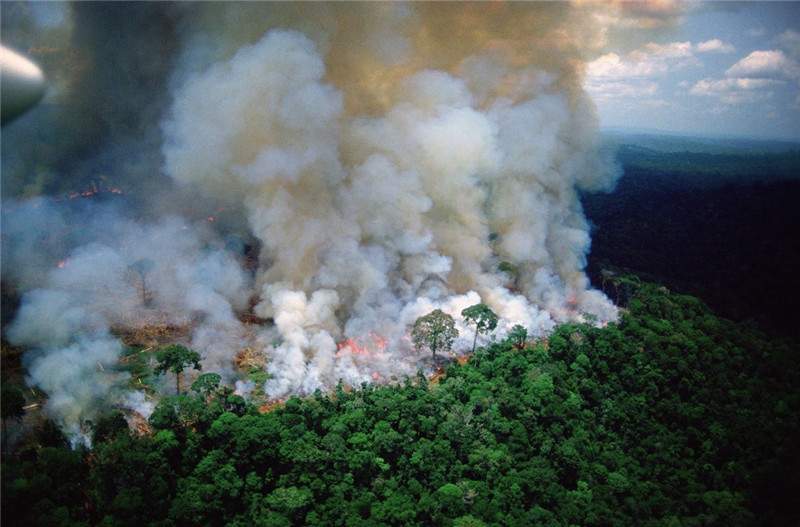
178,383
475,340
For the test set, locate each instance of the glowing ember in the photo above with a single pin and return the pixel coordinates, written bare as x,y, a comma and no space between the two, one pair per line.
352,346
380,341
359,347
572,302
91,192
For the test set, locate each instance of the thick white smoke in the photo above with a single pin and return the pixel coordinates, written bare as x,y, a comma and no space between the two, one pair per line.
389,159
133,275
368,221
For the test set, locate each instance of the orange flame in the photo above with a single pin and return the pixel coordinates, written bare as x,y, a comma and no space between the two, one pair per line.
380,340
357,346
352,346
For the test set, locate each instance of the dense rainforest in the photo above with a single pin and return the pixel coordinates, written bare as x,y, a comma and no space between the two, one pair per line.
711,220
670,417
677,415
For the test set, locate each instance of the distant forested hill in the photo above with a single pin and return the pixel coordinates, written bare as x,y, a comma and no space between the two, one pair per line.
723,226
676,143
672,417
705,170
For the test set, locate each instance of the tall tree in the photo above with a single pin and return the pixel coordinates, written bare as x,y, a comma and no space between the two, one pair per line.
176,358
518,335
484,319
437,330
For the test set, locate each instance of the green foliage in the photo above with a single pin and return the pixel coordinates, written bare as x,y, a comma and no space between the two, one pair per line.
109,426
436,330
176,358
508,268
136,361
518,335
206,384
483,317
671,417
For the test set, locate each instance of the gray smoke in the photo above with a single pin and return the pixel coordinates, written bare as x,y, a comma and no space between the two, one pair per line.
103,287
384,159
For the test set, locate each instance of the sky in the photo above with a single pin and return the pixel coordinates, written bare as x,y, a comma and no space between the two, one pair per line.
700,68
730,68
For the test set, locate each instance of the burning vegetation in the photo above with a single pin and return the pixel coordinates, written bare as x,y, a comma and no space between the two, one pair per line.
293,234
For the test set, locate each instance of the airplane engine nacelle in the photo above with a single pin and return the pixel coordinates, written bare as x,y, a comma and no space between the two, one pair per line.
21,84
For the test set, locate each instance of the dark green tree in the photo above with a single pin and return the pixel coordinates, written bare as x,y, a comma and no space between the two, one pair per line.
109,426
176,358
484,319
206,384
436,330
518,335
509,269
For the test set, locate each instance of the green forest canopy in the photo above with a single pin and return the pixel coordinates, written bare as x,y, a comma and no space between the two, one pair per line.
672,417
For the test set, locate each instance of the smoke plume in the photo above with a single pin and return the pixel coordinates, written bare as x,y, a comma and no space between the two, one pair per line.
379,161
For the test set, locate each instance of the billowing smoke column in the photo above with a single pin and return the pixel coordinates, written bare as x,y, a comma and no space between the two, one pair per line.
368,217
386,159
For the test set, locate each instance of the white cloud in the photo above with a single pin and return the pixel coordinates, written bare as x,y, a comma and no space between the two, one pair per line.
715,46
752,78
635,74
649,61
673,50
735,91
612,66
603,90
710,86
769,64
